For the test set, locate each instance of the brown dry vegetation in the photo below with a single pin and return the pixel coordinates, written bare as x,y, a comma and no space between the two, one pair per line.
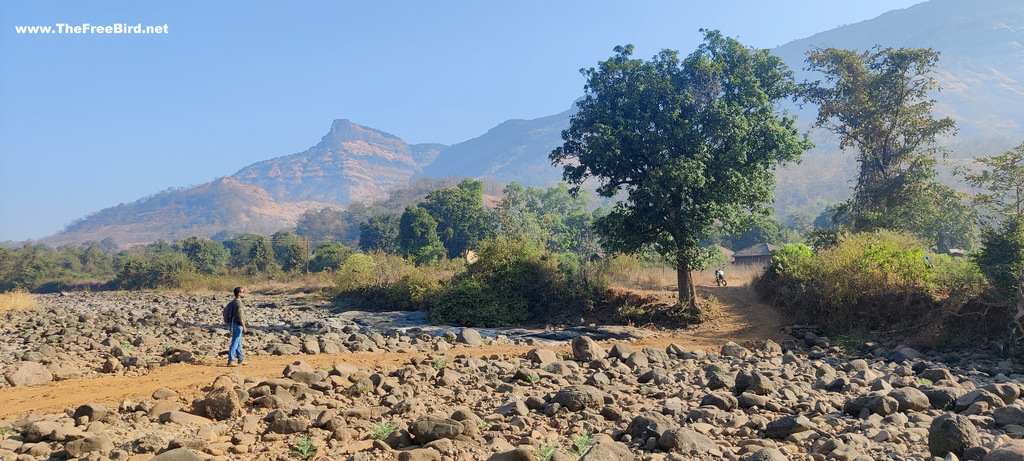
16,300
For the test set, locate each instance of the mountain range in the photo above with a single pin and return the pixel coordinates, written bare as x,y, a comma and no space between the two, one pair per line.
980,71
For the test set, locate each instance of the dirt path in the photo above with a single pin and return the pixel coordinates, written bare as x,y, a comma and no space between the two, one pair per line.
739,318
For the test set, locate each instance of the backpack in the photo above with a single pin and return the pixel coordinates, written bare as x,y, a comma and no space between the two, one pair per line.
229,314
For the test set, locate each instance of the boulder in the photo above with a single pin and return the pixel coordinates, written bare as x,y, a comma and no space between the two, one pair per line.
220,404
575,398
470,337
29,374
585,349
952,433
650,424
432,427
683,440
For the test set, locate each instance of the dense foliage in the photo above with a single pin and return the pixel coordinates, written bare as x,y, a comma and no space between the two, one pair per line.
872,281
514,281
878,103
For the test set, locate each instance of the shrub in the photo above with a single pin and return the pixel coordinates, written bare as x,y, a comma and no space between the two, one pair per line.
17,300
471,302
869,281
358,271
513,281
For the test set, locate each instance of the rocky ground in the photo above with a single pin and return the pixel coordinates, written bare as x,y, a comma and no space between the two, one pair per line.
327,386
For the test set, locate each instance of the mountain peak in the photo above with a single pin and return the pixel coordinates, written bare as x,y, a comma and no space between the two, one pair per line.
344,130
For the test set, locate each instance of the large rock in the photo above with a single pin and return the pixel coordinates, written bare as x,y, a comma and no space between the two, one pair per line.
93,411
220,404
650,424
177,454
752,381
1013,451
731,349
40,430
288,425
470,337
29,374
432,427
877,404
683,440
766,454
909,398
952,433
542,356
782,428
96,443
608,451
942,398
519,454
978,395
575,398
1010,414
585,349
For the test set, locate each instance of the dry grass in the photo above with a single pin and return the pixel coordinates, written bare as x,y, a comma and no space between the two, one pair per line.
629,275
17,300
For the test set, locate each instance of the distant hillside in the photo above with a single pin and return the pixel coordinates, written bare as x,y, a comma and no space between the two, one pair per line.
351,163
516,150
221,205
981,65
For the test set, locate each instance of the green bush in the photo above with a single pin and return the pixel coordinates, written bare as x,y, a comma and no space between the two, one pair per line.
514,281
870,281
358,271
471,302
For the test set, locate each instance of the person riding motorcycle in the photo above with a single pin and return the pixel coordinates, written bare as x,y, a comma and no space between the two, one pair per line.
720,277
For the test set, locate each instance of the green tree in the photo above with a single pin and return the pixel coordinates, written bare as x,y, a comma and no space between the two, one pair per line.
1001,180
555,217
417,236
462,221
207,256
379,233
253,253
329,256
289,251
1001,259
96,262
326,225
693,145
877,102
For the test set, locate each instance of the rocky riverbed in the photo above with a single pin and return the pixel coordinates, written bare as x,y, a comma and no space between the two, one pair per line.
454,397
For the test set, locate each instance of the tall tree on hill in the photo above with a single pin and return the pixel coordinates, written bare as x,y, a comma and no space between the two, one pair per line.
877,102
693,144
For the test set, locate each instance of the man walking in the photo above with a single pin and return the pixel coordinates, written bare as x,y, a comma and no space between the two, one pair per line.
237,328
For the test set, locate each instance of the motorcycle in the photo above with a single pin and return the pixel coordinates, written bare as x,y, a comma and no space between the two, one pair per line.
720,278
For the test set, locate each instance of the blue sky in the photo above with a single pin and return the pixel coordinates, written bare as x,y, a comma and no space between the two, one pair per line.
88,121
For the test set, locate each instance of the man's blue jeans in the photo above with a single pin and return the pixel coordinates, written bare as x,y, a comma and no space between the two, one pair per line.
235,351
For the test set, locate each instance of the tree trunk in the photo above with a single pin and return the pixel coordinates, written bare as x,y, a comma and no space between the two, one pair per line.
684,280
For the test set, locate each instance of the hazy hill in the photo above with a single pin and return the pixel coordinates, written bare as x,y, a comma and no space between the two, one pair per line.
221,205
981,66
981,70
516,150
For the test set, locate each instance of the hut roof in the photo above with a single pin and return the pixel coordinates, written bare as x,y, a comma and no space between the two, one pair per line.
761,249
